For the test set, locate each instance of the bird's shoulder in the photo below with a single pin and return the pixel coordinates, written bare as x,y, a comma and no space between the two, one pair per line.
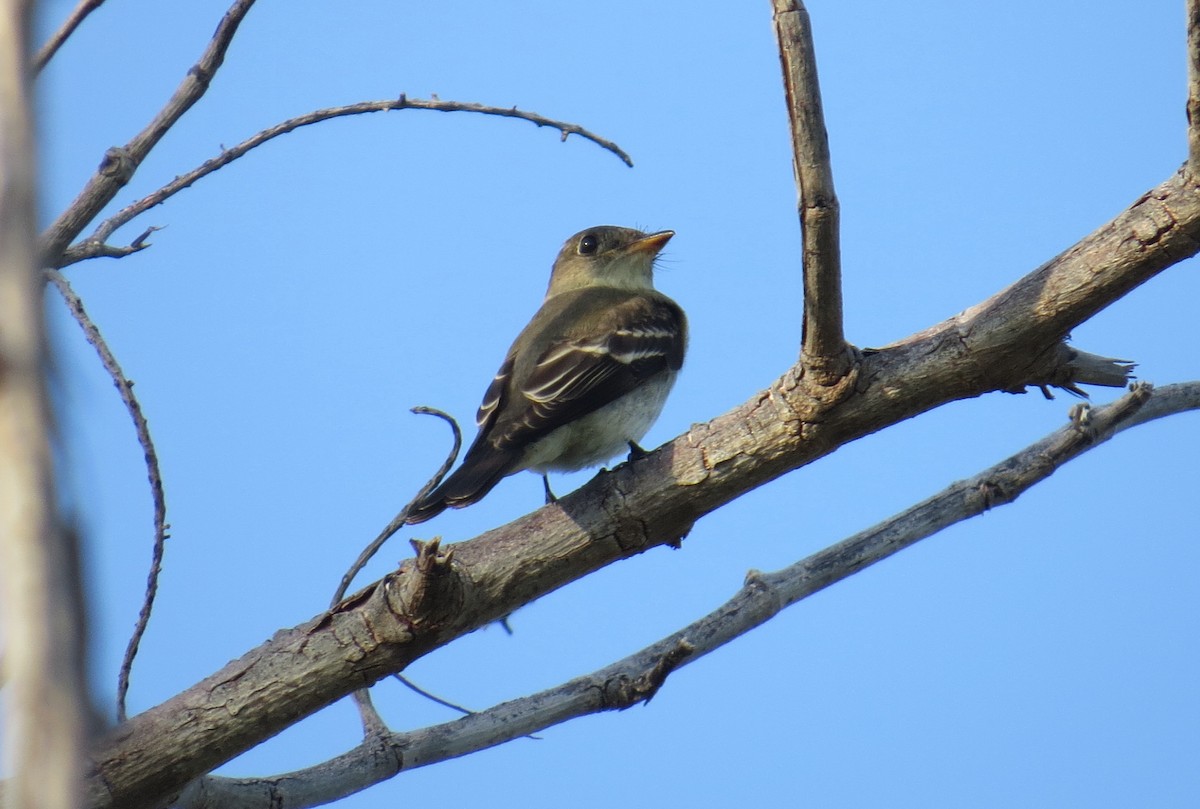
621,322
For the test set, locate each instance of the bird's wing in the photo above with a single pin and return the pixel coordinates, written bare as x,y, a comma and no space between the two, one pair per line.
637,337
494,394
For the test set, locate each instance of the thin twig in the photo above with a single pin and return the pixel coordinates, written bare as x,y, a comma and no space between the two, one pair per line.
824,344
429,695
64,31
763,596
94,245
125,387
1193,101
120,163
398,521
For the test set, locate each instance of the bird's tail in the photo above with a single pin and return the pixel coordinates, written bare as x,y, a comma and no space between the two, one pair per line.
470,483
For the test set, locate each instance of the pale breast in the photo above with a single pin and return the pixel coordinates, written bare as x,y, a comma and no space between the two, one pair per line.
600,436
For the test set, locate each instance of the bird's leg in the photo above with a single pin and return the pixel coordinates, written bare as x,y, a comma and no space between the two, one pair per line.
550,498
635,452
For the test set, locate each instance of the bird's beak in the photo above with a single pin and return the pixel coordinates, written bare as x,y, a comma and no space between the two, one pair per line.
651,244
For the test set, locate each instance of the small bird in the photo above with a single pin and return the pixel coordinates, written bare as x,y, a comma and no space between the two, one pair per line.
585,379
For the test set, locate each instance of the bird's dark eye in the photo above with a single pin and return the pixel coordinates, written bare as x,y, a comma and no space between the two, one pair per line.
588,245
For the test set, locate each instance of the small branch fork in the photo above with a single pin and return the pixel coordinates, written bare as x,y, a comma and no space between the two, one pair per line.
95,245
638,677
824,351
119,164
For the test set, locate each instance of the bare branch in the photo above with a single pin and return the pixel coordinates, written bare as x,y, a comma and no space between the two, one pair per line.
824,344
763,596
641,504
64,31
1193,101
94,245
120,163
41,595
125,387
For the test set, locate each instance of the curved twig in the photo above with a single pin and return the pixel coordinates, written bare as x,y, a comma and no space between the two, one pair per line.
56,40
94,245
125,387
763,596
398,521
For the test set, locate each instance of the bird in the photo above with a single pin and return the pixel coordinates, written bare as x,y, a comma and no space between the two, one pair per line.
588,376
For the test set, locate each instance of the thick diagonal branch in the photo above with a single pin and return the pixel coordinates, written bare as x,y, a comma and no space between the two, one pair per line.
824,344
655,500
764,596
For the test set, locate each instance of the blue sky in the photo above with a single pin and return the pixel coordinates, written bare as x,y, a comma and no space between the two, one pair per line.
299,301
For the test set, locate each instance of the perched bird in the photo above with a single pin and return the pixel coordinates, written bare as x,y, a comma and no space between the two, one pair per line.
585,379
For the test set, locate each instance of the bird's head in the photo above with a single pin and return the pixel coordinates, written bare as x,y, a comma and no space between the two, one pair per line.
607,256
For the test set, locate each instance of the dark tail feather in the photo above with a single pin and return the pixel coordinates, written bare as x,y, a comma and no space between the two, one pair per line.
470,483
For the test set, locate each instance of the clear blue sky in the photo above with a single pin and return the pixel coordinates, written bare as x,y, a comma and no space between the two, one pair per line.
301,300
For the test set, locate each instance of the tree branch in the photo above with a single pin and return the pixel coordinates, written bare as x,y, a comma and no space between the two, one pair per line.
1000,344
77,16
94,245
125,387
824,344
763,596
120,163
41,597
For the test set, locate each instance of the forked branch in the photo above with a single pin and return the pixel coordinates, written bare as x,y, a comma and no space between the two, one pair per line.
120,163
385,627
763,596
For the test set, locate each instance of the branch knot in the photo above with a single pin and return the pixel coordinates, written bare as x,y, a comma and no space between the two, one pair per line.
426,592
623,691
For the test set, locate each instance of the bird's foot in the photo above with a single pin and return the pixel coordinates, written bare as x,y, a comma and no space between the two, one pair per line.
550,498
636,452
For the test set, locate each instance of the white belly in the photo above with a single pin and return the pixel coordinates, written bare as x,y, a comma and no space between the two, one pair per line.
604,434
